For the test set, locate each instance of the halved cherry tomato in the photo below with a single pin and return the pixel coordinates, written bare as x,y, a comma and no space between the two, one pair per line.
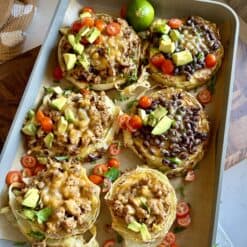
12,177
122,120
76,26
47,124
185,221
100,24
182,209
98,40
113,163
169,239
145,102
87,9
40,116
100,169
113,29
28,161
210,60
129,127
190,176
38,169
57,73
96,179
114,149
84,41
27,172
88,21
106,185
175,23
135,122
109,243
157,60
204,96
123,11
167,67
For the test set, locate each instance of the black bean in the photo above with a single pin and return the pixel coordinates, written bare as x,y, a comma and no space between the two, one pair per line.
183,155
157,141
173,146
172,166
188,125
166,162
174,139
204,136
197,141
192,150
165,152
162,144
137,133
151,150
146,143
189,132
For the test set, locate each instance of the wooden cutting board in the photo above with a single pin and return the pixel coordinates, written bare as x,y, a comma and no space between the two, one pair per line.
15,73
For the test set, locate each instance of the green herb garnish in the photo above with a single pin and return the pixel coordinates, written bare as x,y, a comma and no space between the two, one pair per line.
131,104
112,174
43,215
37,235
120,97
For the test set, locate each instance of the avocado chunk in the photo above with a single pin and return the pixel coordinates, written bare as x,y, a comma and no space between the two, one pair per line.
83,32
30,114
70,60
29,214
42,160
78,47
175,35
59,103
48,140
175,160
167,46
31,198
83,60
143,115
57,90
134,226
159,112
69,115
160,26
152,121
62,125
182,57
145,233
85,14
93,35
29,129
71,39
162,126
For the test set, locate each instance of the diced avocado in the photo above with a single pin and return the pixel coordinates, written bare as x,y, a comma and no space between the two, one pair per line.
70,60
175,35
58,90
83,32
145,233
79,48
42,160
152,121
83,60
48,140
162,126
159,112
31,198
69,115
29,129
134,226
62,125
85,14
143,115
93,35
167,46
165,37
59,103
29,214
71,39
160,26
30,114
175,160
182,57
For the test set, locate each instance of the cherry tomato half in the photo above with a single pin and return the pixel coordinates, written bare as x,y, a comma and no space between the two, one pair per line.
210,60
204,96
27,172
175,23
28,161
122,120
100,24
169,239
12,177
182,209
96,179
38,169
145,102
46,124
190,176
100,169
40,116
57,73
184,221
113,29
135,122
157,60
109,243
114,149
167,67
113,163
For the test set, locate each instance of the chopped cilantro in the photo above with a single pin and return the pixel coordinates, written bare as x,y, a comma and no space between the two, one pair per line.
43,215
131,104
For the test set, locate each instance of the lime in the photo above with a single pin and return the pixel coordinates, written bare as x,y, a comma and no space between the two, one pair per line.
140,14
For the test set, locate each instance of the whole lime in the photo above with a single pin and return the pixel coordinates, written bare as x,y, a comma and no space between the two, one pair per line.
140,14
